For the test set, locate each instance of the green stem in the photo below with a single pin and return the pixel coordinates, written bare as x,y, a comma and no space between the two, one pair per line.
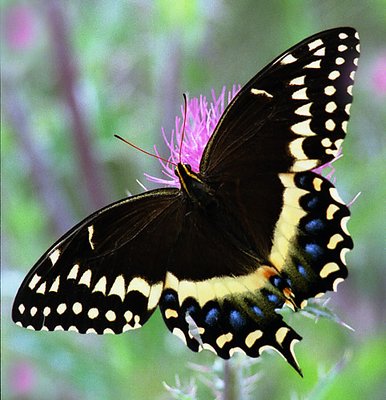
231,382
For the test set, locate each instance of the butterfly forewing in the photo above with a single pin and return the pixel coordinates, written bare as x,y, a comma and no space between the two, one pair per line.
101,277
292,116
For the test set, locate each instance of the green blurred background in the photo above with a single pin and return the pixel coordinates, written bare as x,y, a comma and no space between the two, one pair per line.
76,72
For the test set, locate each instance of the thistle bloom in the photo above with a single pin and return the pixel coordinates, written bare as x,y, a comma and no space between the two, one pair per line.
202,117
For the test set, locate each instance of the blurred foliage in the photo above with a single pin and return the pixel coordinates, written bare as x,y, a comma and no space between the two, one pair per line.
132,61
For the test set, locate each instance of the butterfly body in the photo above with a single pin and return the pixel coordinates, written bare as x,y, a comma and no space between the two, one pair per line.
255,228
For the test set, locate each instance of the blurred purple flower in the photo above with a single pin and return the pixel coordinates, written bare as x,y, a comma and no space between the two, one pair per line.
19,27
379,75
201,119
22,379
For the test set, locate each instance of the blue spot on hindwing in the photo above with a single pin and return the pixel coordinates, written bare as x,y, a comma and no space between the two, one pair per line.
236,319
212,316
276,281
302,270
257,311
170,298
272,298
302,179
313,202
314,226
314,250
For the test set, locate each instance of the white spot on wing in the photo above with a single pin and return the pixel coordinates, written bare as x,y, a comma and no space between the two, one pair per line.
154,296
119,287
303,128
93,313
61,308
260,92
33,311
296,148
54,256
280,334
42,288
252,337
85,279
140,285
343,225
298,81
321,52
339,61
222,340
330,125
300,94
331,106
326,142
59,328
313,64
101,285
21,308
343,36
178,332
336,283
55,286
90,235
329,90
288,59
110,315
170,313
328,269
74,272
77,308
128,315
35,279
46,311
335,195
304,110
333,75
316,43
73,328
304,165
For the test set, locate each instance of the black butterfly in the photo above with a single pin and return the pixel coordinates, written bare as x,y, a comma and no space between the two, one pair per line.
253,230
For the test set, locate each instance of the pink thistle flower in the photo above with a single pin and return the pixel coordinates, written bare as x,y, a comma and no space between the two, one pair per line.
202,117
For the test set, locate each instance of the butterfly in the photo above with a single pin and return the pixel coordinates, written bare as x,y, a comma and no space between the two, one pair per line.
253,230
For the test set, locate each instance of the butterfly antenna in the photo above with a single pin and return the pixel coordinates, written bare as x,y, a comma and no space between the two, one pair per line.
144,151
183,126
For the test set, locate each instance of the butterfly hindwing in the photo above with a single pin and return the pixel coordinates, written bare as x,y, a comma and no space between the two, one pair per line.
225,304
100,277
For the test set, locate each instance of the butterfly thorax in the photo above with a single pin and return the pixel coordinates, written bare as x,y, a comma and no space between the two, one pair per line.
195,189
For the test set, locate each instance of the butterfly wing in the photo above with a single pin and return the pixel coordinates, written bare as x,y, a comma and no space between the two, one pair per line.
218,297
289,119
287,225
292,116
101,277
